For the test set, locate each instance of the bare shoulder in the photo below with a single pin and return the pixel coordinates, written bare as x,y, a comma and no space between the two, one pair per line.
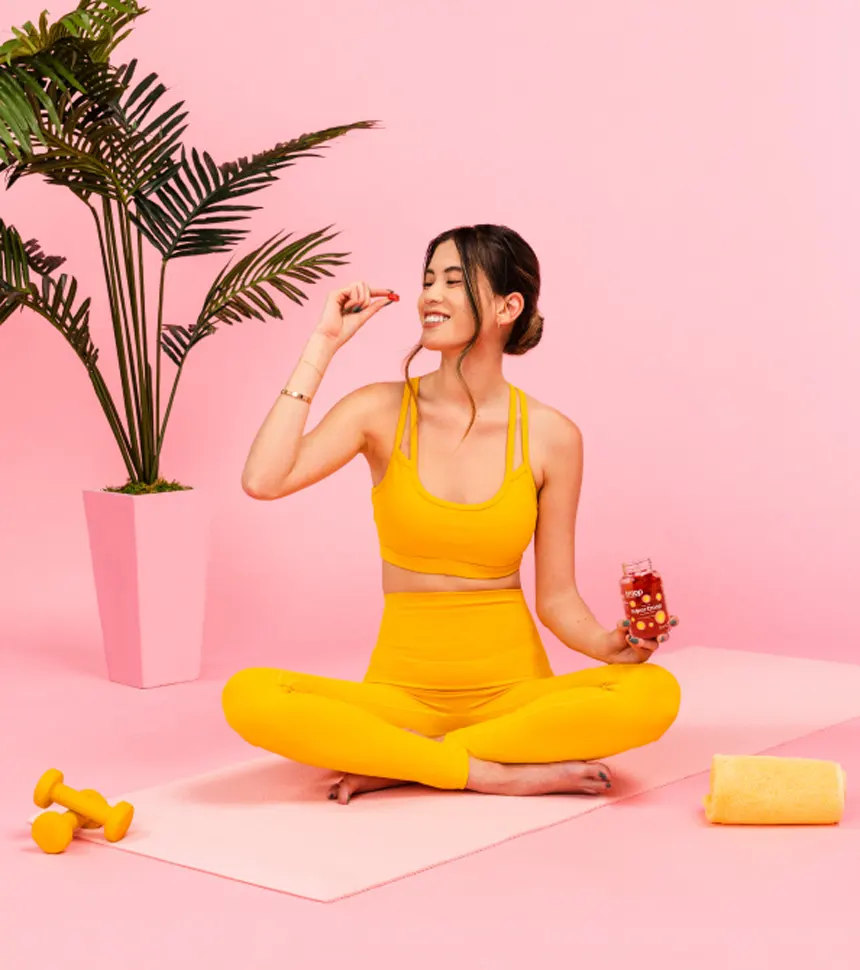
379,406
555,440
370,399
376,394
382,397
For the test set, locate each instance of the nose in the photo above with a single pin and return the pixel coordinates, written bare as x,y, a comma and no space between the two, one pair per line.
431,290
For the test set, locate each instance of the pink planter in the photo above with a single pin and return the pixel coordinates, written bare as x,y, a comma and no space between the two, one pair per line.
149,556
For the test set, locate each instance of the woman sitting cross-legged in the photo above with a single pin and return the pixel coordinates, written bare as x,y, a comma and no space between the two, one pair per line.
466,470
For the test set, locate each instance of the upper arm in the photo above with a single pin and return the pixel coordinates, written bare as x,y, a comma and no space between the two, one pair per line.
339,436
555,542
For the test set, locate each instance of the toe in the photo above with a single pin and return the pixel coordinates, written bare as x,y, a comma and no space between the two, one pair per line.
602,775
592,785
345,790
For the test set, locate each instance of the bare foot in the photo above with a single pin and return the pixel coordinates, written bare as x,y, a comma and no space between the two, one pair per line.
342,791
489,778
564,777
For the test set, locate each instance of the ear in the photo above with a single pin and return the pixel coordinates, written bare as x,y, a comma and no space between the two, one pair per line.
509,308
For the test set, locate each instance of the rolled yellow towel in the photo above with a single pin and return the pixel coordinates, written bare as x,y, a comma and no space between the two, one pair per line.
768,790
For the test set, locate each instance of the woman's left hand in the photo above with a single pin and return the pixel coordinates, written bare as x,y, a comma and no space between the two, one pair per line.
623,648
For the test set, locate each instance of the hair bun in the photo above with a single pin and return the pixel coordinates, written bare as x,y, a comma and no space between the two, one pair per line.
528,338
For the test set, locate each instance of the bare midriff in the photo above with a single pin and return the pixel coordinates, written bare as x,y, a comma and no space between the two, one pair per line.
395,579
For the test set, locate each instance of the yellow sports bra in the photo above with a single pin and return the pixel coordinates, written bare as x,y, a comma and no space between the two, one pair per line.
426,534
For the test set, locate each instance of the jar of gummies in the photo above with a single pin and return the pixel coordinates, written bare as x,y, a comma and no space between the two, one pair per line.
644,602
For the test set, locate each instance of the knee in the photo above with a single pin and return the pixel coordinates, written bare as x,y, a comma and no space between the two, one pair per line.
658,698
244,700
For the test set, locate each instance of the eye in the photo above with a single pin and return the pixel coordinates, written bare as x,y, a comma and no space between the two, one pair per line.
449,282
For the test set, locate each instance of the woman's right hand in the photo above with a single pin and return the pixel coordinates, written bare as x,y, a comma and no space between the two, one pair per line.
348,309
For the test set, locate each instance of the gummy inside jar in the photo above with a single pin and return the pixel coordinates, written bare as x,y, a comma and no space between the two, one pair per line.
645,605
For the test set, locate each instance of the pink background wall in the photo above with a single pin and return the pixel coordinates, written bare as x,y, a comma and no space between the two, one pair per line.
688,176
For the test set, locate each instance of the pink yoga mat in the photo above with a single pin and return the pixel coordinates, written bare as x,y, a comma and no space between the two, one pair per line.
267,821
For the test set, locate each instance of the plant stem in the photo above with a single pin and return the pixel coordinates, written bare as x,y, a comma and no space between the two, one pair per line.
110,411
161,280
153,411
170,404
139,326
128,370
105,399
120,347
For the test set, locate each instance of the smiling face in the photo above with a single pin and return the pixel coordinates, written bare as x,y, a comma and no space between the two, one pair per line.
444,310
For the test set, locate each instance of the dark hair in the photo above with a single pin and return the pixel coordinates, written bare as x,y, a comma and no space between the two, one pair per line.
511,266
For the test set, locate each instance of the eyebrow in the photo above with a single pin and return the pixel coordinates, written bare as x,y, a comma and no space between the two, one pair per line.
448,269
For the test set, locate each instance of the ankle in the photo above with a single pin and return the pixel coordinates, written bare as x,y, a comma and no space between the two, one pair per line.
487,777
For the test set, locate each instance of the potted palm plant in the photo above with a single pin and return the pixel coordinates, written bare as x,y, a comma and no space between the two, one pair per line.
70,114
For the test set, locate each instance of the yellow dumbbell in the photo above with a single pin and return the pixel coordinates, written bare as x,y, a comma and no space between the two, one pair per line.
115,818
54,831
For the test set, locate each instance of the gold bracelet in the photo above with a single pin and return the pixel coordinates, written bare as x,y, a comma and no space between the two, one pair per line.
297,394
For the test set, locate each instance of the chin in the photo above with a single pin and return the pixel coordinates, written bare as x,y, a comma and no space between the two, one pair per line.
439,340
432,340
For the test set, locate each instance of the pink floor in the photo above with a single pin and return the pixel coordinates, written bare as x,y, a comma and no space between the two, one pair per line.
672,892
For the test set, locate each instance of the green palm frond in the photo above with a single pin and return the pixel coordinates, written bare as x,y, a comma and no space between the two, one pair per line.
98,21
55,299
42,64
24,100
14,272
190,212
104,142
240,292
99,130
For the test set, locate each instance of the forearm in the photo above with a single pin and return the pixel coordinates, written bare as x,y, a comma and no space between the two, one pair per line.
276,445
570,619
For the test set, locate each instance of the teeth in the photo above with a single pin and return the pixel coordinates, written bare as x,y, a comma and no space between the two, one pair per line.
435,318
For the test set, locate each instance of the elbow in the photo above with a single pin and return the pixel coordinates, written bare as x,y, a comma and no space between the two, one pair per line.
545,612
549,607
544,616
257,490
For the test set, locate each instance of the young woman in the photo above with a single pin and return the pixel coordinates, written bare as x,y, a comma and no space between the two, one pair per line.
466,469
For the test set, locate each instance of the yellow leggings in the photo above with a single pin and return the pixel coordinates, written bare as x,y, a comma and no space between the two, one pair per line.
468,667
